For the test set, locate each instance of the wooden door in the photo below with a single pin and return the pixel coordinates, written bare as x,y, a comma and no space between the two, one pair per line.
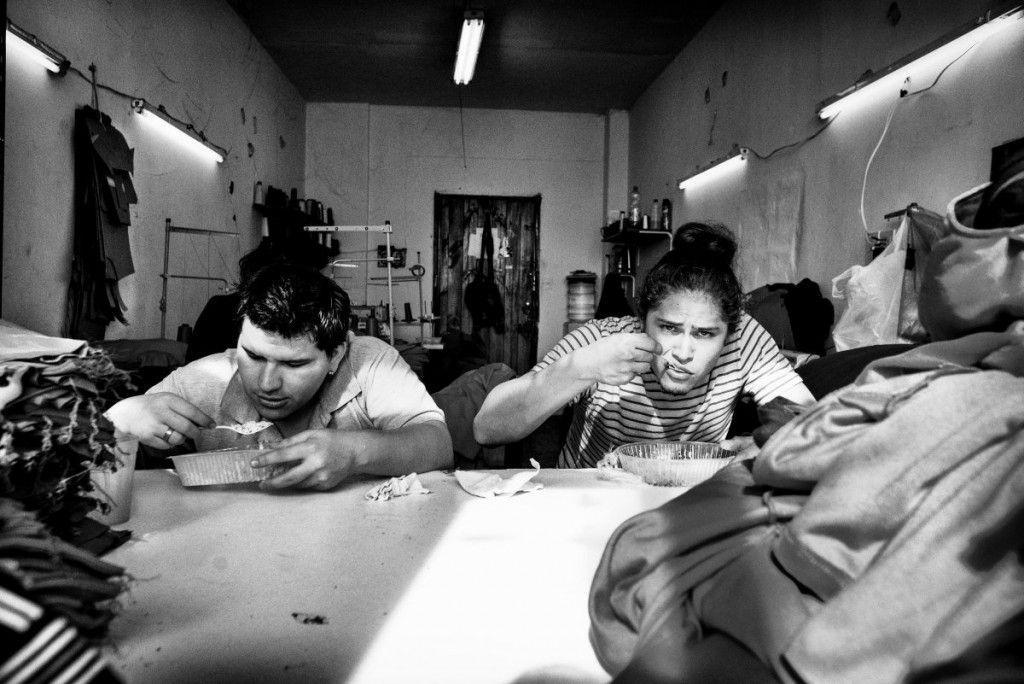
460,235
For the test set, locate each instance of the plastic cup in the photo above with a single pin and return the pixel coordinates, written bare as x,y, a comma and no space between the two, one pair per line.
114,487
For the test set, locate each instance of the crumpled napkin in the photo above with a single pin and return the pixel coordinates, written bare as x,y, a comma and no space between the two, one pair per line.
397,486
609,468
486,485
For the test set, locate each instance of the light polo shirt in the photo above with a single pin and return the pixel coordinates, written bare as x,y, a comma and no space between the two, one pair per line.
606,416
373,388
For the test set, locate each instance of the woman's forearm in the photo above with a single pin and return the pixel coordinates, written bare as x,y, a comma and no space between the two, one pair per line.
515,408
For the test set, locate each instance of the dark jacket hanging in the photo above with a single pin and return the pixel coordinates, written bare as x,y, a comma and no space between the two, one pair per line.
102,254
483,298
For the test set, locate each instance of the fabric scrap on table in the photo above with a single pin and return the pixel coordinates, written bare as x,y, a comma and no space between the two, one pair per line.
397,486
486,485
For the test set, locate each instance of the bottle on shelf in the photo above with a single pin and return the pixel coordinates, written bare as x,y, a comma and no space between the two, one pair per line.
634,207
666,216
655,223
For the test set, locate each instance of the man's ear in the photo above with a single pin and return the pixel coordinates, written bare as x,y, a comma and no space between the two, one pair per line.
337,357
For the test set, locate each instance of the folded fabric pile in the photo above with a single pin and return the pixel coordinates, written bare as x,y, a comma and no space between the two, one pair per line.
53,392
56,602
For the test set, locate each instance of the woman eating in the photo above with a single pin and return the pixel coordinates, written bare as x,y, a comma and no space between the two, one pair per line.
674,373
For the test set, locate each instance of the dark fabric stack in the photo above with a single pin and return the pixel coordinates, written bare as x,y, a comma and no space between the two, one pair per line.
52,428
56,601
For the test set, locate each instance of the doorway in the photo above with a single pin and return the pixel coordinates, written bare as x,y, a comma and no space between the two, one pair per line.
486,265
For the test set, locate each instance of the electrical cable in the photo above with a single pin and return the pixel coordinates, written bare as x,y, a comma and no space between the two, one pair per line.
94,84
888,121
864,184
809,138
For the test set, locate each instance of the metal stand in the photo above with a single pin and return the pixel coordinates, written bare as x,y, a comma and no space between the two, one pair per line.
386,230
168,229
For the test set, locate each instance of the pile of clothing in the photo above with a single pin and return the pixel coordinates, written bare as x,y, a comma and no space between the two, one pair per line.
56,602
53,392
57,597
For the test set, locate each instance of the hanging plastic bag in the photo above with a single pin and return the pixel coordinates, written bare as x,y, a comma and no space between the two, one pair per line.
873,294
924,229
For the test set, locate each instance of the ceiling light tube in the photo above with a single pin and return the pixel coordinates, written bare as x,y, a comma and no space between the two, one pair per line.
29,45
730,162
183,132
469,46
939,52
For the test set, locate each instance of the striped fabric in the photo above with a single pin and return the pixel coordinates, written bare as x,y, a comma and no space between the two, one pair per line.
606,416
38,647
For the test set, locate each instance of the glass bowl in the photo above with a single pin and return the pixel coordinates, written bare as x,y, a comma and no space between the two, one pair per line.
672,464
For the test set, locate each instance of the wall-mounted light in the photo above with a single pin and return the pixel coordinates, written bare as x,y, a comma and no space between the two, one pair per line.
29,45
185,133
469,46
736,158
944,50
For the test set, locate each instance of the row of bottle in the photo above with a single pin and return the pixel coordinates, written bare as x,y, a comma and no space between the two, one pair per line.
660,217
276,198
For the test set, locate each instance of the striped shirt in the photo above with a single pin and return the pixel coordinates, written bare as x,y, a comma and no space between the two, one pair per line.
39,647
606,416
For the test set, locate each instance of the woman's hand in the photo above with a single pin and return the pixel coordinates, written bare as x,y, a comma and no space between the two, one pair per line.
162,420
745,447
616,359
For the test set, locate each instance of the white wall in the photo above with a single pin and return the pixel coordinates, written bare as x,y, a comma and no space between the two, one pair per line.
782,59
199,61
374,164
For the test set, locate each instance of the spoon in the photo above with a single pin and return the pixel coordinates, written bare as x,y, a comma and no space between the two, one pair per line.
250,428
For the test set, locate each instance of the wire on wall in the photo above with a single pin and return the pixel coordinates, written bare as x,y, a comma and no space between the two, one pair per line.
904,93
95,84
798,143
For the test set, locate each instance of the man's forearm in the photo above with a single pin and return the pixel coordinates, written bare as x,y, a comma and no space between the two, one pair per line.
415,448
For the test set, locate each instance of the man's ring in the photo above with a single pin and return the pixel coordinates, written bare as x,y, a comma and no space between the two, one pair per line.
168,435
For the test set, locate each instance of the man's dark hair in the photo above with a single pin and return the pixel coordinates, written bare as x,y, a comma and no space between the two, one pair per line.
304,252
293,301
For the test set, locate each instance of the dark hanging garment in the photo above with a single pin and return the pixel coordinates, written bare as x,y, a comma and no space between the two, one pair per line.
483,298
102,253
613,302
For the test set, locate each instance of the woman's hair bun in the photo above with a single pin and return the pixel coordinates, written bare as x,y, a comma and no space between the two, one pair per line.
704,244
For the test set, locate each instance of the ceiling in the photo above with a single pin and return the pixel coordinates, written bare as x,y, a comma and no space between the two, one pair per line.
541,55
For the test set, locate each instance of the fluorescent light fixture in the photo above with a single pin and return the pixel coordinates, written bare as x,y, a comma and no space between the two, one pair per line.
30,46
937,53
184,133
716,169
469,46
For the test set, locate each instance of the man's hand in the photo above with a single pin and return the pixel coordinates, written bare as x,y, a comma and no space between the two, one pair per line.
320,459
616,359
162,420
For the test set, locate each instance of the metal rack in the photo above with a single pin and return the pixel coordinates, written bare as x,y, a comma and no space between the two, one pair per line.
386,230
416,275
165,276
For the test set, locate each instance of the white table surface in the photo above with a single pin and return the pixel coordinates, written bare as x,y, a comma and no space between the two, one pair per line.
444,587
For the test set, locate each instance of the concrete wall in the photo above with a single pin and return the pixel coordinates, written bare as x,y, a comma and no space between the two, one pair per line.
798,212
374,164
199,61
